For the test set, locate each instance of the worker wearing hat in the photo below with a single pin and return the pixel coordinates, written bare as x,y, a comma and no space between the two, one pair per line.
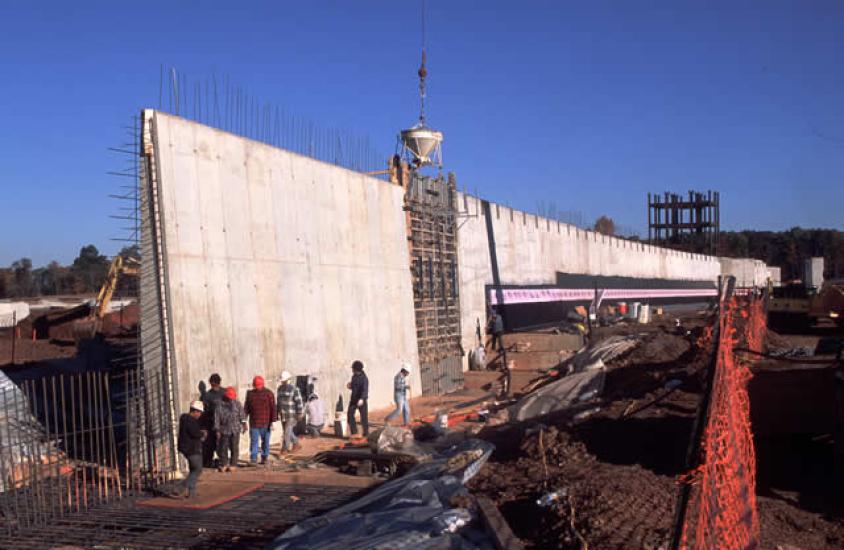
229,423
358,401
290,411
401,395
191,436
260,409
210,398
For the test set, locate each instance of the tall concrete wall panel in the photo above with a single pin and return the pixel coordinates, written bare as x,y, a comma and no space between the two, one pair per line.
276,262
748,272
531,250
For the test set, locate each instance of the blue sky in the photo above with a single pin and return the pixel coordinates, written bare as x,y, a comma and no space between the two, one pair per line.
587,105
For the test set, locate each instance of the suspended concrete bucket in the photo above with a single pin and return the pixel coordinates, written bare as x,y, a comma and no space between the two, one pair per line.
423,142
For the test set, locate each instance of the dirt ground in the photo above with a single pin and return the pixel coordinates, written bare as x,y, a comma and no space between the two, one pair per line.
619,474
60,342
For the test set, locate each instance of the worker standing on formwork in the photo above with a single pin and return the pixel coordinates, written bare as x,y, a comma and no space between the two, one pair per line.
229,423
210,399
290,411
191,436
400,395
260,408
358,401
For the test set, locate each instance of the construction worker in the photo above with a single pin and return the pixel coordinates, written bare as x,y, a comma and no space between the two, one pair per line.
260,409
191,436
315,415
210,399
400,395
358,401
229,423
290,411
496,328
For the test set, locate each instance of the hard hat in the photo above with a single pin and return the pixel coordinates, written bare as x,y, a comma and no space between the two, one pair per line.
231,393
405,366
258,382
285,376
197,406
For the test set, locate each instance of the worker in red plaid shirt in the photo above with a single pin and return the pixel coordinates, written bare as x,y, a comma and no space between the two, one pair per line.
260,408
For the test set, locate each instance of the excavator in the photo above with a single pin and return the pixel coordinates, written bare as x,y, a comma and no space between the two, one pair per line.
92,324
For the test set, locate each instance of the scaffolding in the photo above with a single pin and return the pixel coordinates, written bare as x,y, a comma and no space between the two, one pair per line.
431,213
690,223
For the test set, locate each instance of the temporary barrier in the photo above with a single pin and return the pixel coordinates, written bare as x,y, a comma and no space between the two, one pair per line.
723,510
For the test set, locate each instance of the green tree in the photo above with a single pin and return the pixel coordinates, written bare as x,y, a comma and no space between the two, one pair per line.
605,225
4,292
22,277
90,268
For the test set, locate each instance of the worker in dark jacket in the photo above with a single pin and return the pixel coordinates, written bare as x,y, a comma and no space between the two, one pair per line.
496,328
210,399
229,423
191,436
260,408
358,401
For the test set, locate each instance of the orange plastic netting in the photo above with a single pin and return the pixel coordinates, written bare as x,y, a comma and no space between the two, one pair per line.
723,513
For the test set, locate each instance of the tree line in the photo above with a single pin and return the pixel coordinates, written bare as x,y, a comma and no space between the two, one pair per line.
788,249
85,275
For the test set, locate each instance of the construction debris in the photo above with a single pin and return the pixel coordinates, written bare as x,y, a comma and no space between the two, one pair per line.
561,395
414,510
605,351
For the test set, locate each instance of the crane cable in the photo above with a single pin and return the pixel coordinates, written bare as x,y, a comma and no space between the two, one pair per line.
423,72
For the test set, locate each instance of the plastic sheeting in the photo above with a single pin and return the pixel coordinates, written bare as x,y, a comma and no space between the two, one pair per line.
571,390
605,350
21,435
413,511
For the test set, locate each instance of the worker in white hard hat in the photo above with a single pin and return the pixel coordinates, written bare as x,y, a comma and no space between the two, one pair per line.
401,395
191,436
290,411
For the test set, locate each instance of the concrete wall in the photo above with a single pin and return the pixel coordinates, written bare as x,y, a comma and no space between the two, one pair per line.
775,275
275,262
531,250
748,272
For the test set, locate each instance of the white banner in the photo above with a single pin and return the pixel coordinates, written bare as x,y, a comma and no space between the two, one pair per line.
538,295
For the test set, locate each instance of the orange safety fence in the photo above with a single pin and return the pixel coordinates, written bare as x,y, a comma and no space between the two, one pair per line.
723,513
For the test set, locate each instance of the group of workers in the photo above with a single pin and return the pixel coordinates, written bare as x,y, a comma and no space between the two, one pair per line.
215,423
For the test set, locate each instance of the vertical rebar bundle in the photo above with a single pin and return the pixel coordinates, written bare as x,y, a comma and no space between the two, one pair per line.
69,442
223,105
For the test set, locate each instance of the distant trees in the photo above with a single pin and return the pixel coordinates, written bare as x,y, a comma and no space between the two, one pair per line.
788,249
22,276
605,225
86,274
90,268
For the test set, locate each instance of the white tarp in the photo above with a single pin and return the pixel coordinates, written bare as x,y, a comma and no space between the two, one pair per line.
560,395
21,435
12,313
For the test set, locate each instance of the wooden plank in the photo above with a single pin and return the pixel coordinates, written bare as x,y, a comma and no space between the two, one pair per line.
497,527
